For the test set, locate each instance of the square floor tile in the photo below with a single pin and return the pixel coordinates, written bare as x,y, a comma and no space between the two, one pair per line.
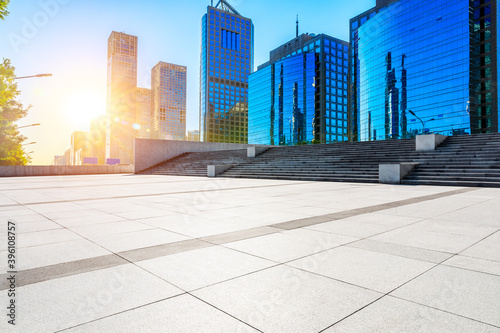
283,247
284,299
200,268
393,315
463,292
61,303
376,271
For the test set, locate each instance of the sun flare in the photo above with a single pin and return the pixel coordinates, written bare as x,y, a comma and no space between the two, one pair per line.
81,107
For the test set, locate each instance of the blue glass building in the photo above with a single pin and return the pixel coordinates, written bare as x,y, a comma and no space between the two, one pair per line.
423,66
300,95
226,63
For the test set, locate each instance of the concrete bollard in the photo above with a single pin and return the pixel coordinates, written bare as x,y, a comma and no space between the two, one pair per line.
429,142
394,173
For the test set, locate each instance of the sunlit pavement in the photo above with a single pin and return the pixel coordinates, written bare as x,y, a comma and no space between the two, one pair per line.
124,253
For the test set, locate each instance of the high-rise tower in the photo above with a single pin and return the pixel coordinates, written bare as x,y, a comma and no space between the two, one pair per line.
168,100
122,81
226,63
421,67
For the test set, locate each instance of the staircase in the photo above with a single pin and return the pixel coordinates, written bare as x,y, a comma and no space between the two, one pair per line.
467,160
195,164
342,162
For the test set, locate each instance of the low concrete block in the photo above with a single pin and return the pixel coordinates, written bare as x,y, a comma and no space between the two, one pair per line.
429,141
215,170
394,173
255,151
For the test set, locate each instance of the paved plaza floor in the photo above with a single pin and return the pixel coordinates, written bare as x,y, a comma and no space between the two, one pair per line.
131,253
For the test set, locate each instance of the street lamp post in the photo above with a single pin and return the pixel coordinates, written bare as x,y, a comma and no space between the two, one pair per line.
29,126
423,124
26,77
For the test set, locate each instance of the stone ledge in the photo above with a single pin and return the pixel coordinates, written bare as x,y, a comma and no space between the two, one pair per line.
429,142
255,151
394,173
215,170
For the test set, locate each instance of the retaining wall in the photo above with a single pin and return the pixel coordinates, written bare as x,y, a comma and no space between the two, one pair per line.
58,170
149,153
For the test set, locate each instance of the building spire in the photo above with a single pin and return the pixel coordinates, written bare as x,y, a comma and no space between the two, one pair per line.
224,5
297,27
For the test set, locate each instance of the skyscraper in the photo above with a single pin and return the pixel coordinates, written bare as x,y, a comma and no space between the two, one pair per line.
81,147
144,120
226,63
300,95
168,93
122,81
98,128
424,66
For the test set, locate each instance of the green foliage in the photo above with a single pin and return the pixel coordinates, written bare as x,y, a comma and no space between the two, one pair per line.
11,149
3,9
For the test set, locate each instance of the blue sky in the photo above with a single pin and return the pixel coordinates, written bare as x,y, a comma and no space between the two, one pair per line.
68,38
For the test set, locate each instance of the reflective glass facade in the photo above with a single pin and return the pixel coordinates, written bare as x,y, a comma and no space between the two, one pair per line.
300,95
423,66
226,63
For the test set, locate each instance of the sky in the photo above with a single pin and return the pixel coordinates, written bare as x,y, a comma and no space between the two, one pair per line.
68,39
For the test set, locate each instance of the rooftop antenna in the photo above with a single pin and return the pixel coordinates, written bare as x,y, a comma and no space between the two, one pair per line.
297,28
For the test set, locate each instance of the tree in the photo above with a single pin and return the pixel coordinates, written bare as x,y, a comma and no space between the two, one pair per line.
11,110
3,9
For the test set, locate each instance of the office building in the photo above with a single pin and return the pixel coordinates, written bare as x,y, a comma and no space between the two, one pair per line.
300,95
226,63
143,119
98,128
67,157
81,147
121,84
423,67
193,135
168,100
59,160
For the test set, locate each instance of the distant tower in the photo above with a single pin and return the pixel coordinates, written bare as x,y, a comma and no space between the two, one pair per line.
122,80
226,63
143,121
168,100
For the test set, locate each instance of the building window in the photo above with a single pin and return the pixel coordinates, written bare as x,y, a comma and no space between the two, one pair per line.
230,40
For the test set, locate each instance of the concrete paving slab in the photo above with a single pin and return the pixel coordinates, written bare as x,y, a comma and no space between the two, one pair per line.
427,240
283,247
138,239
401,250
45,237
95,231
463,292
373,270
351,228
180,314
50,254
392,315
200,268
86,221
474,264
487,248
81,298
290,301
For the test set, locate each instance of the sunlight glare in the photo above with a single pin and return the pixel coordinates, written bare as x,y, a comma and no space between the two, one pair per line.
81,107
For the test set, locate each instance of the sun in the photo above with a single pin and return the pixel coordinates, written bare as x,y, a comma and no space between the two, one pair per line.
81,107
